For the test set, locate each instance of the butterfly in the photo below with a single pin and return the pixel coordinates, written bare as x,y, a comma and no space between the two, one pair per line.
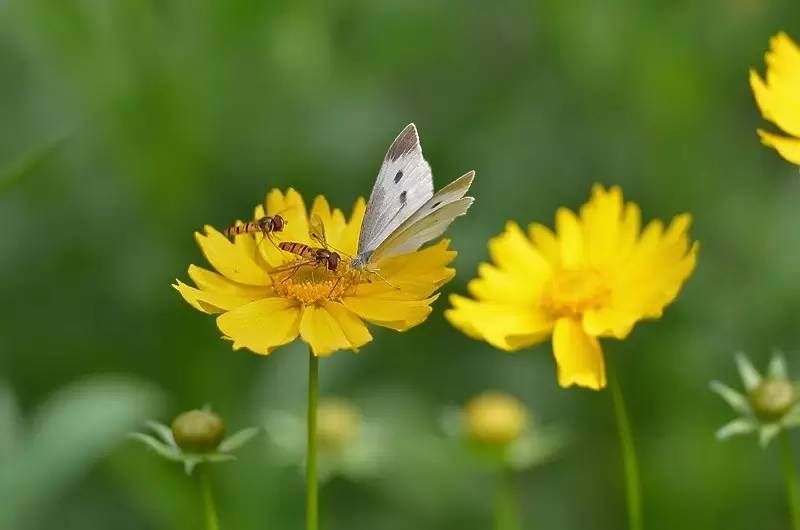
403,212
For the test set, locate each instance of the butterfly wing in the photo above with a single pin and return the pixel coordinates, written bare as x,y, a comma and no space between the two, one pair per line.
404,184
430,221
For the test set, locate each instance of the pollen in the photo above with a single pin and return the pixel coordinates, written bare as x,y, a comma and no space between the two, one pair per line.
571,292
310,285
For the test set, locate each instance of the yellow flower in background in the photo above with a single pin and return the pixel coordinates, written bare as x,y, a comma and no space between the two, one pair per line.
262,304
596,276
778,96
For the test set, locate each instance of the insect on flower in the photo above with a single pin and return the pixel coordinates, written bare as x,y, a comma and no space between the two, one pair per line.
264,225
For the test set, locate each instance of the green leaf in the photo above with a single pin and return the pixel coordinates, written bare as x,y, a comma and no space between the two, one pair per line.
163,450
163,432
737,401
75,427
750,376
767,433
777,367
238,440
737,427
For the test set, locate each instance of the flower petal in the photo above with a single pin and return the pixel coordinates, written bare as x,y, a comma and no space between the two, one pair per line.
737,401
504,325
788,148
233,261
213,302
261,326
737,427
578,355
353,327
399,315
322,331
292,207
411,276
333,221
570,236
348,239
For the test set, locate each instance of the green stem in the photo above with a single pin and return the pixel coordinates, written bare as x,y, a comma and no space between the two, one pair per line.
506,508
212,523
633,486
312,502
787,461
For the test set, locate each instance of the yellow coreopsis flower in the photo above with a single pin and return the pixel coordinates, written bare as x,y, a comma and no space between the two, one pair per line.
778,96
263,305
596,276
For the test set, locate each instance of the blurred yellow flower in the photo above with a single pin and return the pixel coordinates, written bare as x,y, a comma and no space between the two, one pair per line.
495,418
778,96
262,305
596,276
338,423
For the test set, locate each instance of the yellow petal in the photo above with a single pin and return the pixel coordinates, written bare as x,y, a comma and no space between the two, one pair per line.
777,96
546,243
353,327
570,236
231,260
788,148
411,276
207,280
578,355
333,221
399,315
515,254
498,285
211,302
506,326
261,326
601,219
322,331
348,239
292,207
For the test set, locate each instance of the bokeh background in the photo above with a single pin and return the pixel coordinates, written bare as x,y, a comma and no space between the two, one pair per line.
126,125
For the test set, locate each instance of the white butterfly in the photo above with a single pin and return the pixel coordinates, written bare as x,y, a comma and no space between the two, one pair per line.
403,213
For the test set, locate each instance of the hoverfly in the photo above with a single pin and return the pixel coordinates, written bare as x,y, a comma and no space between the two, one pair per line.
264,225
315,256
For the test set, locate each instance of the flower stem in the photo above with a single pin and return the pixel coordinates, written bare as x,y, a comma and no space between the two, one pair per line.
506,508
633,486
312,504
212,523
787,461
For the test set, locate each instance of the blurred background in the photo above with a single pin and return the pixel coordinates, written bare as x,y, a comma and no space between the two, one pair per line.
126,125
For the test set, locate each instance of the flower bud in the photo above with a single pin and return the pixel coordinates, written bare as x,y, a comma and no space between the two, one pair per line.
198,431
772,399
494,418
338,423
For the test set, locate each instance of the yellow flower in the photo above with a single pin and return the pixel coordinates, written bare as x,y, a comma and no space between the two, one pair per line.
778,96
596,276
263,305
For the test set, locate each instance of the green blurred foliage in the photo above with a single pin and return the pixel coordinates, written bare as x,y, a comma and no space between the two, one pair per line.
176,114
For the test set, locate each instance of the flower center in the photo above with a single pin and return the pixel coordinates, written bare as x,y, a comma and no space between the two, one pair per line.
308,284
571,292
773,398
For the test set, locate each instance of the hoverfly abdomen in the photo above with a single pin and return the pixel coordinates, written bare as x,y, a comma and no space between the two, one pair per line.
264,225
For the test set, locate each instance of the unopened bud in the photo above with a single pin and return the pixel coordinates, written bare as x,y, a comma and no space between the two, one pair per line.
495,418
198,431
773,398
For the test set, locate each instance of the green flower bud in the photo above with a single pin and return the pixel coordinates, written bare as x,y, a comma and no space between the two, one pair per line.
772,399
494,418
338,423
198,431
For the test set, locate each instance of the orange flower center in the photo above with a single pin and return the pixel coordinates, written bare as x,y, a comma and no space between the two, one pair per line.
308,284
571,292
